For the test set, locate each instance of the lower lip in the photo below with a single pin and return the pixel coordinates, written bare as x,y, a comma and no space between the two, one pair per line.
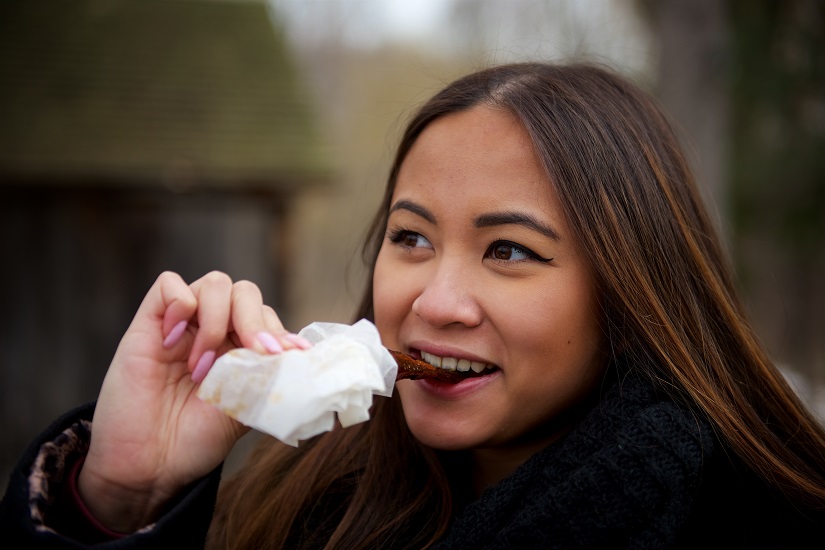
459,389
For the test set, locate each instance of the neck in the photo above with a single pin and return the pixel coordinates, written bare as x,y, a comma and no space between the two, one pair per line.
491,465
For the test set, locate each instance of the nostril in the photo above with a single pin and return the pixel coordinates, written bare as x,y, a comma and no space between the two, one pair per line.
440,306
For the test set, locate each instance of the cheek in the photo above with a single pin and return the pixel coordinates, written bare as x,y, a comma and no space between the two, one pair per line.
558,322
391,300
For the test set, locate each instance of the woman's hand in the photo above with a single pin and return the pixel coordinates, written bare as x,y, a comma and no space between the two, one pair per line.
151,434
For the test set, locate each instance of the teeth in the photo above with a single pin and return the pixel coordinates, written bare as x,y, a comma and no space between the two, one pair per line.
451,363
434,360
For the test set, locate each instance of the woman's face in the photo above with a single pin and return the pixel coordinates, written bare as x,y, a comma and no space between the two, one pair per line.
479,268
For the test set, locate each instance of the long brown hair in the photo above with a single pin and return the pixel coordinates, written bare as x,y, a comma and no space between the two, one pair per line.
670,307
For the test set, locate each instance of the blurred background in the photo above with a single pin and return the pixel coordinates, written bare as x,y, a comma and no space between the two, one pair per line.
254,136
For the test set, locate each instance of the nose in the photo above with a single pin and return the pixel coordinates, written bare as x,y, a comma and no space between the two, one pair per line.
449,297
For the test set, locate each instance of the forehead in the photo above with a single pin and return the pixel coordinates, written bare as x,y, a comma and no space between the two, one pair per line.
484,154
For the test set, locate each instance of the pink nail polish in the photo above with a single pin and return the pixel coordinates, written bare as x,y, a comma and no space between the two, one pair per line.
175,334
269,342
299,341
203,366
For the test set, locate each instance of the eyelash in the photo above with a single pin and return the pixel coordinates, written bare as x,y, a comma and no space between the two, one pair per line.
530,254
398,235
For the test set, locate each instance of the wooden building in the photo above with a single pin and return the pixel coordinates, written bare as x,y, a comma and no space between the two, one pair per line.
136,136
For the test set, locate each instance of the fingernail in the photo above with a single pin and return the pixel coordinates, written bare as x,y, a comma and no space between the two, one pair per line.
269,342
204,363
299,341
175,334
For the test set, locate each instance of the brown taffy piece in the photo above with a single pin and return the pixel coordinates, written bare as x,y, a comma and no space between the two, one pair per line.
414,369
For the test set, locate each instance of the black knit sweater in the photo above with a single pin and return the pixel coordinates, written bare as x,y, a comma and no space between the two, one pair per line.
638,472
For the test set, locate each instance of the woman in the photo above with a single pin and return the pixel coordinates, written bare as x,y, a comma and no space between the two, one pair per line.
540,226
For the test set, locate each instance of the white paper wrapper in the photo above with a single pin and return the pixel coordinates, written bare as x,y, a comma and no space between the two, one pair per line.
296,394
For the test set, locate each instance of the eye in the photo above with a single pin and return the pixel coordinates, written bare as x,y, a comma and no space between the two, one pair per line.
506,251
409,239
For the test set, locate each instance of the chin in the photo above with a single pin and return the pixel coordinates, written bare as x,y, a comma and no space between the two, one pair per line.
443,438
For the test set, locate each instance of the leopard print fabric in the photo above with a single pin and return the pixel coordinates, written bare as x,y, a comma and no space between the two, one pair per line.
49,469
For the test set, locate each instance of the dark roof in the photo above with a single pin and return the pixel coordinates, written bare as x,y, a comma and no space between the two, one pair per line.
143,90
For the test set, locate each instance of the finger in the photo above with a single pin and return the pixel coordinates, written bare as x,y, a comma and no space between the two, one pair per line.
251,317
171,302
296,341
287,339
247,319
272,328
214,294
272,321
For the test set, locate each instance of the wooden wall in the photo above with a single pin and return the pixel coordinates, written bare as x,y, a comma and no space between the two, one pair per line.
77,262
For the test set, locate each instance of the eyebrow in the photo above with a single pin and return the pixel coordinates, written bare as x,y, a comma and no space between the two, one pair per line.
516,218
485,220
415,208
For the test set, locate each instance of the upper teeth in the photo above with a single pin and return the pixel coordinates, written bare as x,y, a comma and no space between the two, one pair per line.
451,363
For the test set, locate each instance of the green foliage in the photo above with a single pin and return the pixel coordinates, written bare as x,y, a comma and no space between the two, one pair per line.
778,114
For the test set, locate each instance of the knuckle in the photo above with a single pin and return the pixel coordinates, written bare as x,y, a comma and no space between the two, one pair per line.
217,278
168,276
246,286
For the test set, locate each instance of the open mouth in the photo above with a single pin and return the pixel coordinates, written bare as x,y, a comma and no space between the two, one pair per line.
443,369
458,365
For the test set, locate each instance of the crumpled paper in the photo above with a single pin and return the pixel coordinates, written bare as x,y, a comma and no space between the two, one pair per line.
296,394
